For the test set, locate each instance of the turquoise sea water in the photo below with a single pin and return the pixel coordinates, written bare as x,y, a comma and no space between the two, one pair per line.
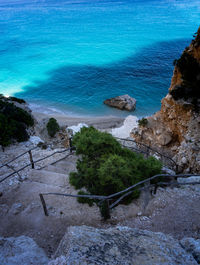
71,55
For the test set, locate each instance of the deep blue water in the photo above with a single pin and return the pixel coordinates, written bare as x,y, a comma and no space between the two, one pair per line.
71,55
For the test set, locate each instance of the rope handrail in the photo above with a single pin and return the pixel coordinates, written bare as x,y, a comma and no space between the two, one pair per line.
36,161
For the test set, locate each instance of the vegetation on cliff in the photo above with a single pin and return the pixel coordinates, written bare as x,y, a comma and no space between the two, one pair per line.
13,121
189,67
52,127
105,167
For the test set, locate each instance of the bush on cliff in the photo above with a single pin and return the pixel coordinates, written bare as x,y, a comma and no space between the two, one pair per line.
52,127
189,67
13,123
105,167
143,122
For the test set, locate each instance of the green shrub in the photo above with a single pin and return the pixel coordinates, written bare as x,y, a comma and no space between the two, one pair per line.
52,127
189,68
13,123
5,131
106,168
15,113
85,200
143,122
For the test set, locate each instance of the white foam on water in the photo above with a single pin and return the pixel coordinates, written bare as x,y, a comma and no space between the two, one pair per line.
130,123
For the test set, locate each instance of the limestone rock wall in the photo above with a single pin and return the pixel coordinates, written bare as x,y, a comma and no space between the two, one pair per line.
176,127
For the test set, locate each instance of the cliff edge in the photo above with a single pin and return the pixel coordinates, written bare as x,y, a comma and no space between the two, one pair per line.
176,127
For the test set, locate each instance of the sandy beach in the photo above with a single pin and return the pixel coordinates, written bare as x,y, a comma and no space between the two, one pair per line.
106,122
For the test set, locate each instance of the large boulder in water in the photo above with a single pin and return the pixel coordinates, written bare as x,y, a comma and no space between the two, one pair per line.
124,102
119,245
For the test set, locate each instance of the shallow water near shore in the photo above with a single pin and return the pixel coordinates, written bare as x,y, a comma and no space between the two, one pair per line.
69,56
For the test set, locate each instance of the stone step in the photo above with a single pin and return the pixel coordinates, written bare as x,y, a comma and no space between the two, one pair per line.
71,158
55,169
66,166
48,177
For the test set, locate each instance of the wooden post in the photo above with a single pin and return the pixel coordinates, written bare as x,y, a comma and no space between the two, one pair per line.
155,188
177,169
31,158
70,144
44,205
105,209
148,151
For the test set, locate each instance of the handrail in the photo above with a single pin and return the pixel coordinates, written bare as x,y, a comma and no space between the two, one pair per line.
127,191
149,179
71,149
4,165
36,161
147,146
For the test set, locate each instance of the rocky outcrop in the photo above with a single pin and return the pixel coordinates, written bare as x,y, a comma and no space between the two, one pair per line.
124,102
176,126
119,245
21,250
192,246
61,138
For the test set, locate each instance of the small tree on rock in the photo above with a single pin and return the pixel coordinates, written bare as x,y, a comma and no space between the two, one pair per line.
52,127
106,168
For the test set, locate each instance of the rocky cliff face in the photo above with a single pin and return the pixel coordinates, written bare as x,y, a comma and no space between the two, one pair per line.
176,127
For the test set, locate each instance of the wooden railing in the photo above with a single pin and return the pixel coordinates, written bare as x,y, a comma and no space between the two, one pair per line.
113,200
32,162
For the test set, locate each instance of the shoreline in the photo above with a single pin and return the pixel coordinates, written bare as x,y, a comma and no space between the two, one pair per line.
118,127
103,122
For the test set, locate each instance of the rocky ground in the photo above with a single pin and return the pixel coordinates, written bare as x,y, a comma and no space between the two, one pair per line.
173,211
123,245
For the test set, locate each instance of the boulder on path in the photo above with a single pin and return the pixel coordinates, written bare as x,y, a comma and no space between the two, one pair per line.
119,245
124,102
21,250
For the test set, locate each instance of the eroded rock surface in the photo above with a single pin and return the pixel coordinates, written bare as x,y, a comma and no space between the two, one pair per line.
192,246
124,102
21,250
119,245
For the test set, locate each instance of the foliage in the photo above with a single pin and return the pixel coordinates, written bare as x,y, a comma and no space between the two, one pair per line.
106,168
143,122
13,123
85,200
196,40
189,68
15,113
5,131
52,127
